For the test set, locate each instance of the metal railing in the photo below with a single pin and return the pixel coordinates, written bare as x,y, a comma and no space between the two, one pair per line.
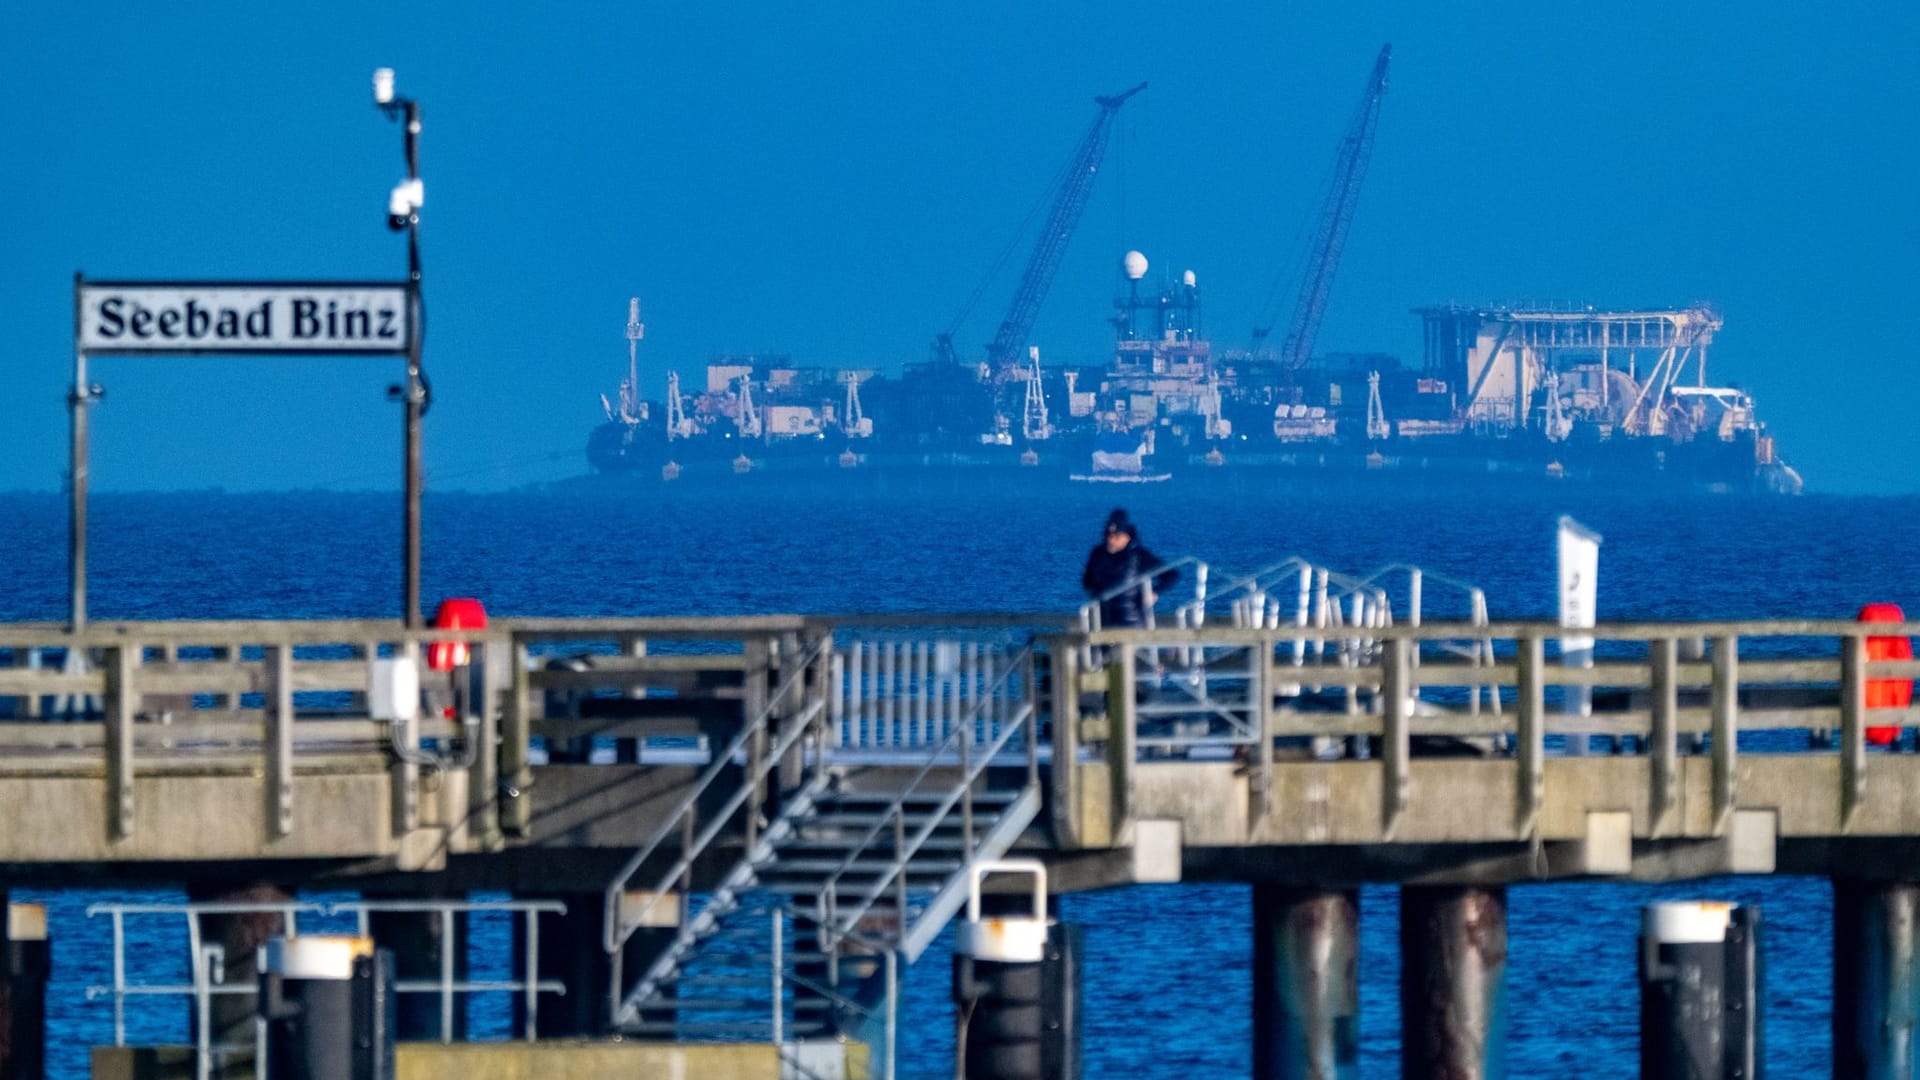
911,693
974,753
208,965
762,749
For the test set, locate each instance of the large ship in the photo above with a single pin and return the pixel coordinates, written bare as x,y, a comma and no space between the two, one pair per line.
1555,392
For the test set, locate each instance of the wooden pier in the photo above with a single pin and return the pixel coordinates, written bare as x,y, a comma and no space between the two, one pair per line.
664,783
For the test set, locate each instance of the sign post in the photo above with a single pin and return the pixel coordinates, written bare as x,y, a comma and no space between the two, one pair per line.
174,318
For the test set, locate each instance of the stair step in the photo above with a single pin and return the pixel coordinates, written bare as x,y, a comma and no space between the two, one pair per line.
881,844
858,867
743,1030
999,797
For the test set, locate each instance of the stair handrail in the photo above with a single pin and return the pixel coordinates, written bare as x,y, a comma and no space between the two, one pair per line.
904,850
615,930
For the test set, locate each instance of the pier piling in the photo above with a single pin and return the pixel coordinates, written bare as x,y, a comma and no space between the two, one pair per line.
1306,986
1453,999
26,962
1876,979
1700,993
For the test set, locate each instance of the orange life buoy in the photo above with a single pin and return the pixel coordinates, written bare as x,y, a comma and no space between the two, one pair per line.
1887,693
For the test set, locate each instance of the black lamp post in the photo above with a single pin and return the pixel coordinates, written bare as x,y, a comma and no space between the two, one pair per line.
403,213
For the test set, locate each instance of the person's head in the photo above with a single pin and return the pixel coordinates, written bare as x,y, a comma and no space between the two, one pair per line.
1119,531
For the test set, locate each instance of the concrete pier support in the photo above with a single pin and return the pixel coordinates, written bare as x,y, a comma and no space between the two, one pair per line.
240,935
1453,999
1876,980
422,953
1306,985
26,961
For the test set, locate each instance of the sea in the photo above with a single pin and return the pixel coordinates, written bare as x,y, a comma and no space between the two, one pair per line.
1168,967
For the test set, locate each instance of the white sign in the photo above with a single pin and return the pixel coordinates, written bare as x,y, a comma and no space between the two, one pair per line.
1579,549
250,317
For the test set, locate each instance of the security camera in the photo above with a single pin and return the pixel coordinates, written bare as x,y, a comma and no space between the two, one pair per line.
404,202
383,86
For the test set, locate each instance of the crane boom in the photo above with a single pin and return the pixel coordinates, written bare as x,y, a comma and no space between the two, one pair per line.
1009,343
1349,169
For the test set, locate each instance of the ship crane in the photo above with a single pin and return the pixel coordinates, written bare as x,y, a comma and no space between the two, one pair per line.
1036,426
1330,236
1076,186
856,425
1377,426
678,426
749,418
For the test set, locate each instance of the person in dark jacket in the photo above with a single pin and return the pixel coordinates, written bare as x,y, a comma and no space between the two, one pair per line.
1118,558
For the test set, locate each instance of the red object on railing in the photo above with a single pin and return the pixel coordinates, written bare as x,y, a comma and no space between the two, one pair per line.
1887,693
458,613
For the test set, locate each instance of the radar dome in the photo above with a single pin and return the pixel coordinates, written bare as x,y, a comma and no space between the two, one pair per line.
1189,280
1135,264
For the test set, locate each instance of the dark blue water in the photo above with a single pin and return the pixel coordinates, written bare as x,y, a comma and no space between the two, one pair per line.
1168,967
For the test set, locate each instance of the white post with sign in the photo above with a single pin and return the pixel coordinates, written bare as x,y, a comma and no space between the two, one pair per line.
169,318
1579,558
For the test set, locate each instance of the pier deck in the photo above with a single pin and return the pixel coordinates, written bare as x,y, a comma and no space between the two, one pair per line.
671,781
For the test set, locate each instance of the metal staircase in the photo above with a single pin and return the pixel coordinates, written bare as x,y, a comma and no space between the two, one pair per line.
855,871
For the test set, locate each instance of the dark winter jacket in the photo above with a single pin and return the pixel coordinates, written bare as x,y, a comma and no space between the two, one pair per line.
1108,570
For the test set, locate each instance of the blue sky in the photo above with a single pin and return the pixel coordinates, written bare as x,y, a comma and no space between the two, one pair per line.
831,181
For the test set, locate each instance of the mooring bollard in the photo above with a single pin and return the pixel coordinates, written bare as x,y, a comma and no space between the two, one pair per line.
1016,987
1700,992
28,957
328,1003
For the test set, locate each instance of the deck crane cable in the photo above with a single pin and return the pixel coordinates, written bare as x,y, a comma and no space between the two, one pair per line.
943,342
1008,348
1350,168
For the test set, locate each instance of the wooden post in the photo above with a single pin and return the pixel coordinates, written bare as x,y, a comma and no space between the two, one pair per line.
754,708
516,809
121,700
1395,739
1663,654
1531,752
1064,654
1853,730
483,789
279,740
1260,700
1726,732
405,770
1121,723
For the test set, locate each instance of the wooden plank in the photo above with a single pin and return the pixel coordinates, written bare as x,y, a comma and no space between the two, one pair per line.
25,682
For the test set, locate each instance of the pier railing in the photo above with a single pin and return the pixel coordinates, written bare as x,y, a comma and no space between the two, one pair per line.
1391,696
